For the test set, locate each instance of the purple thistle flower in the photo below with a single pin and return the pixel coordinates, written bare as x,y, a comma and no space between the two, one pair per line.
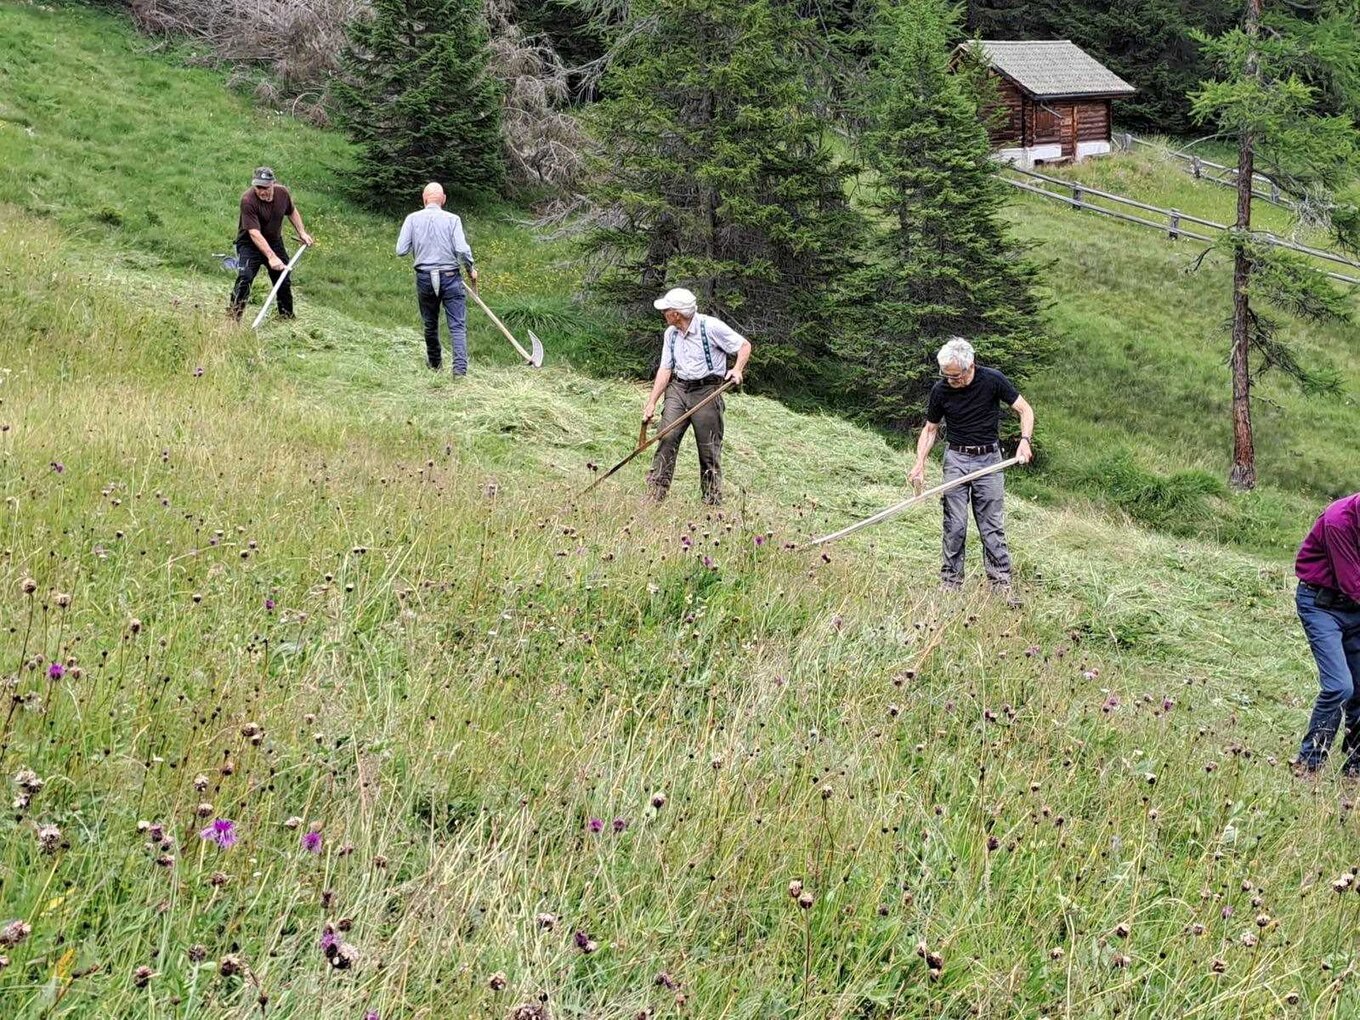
329,940
56,671
268,605
620,824
311,842
372,1014
58,466
198,371
759,541
596,825
222,832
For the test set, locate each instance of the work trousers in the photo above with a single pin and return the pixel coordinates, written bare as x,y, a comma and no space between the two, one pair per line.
249,261
987,496
1334,638
708,437
436,288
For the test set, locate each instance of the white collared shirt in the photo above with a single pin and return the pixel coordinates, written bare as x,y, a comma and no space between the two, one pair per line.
701,350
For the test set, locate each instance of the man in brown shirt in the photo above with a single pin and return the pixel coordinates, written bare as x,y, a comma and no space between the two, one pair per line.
259,240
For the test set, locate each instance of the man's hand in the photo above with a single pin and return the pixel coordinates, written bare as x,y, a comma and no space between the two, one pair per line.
1024,453
306,238
734,375
917,477
472,277
276,264
649,410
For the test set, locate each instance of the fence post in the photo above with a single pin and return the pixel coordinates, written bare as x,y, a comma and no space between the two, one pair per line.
1174,231
1274,192
1126,141
1076,196
1196,167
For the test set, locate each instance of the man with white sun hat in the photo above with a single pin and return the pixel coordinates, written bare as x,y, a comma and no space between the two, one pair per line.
694,361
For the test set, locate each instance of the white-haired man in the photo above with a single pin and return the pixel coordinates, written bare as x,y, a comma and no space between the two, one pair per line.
967,401
694,353
435,239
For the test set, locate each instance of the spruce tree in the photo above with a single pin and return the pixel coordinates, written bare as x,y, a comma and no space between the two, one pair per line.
943,263
716,173
416,98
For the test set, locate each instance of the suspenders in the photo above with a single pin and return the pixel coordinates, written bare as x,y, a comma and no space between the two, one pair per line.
703,333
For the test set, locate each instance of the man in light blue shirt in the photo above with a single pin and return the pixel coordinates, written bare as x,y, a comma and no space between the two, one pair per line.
435,239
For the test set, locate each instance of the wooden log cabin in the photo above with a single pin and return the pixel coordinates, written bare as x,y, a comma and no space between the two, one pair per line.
1055,96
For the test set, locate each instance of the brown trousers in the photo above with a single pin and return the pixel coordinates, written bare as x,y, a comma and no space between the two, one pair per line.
708,436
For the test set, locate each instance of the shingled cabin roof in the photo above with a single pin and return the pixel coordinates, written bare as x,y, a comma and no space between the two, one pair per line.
1051,68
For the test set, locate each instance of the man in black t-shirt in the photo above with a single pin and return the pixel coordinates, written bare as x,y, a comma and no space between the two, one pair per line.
259,240
967,400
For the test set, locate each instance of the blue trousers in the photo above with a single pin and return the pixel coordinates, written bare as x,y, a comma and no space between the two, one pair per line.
447,293
1334,638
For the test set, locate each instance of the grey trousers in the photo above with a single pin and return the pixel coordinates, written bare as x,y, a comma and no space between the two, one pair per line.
987,496
708,437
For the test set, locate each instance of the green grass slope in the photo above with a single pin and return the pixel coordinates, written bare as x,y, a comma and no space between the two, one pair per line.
291,582
144,161
284,595
1136,412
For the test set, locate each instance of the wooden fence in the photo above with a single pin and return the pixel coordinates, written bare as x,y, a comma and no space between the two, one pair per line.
1171,221
1214,173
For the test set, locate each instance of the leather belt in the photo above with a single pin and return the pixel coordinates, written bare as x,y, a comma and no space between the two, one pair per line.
973,451
696,384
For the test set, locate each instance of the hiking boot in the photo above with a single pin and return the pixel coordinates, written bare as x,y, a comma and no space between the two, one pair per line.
1303,770
1003,590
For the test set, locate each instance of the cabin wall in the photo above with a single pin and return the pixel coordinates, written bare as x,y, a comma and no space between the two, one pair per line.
1009,114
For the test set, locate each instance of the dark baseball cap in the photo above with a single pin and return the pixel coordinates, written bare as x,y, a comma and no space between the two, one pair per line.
264,177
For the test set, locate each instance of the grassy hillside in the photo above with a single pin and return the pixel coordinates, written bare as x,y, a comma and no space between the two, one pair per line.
286,582
144,161
1143,388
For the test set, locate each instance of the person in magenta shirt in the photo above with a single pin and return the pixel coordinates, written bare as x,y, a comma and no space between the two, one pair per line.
1328,600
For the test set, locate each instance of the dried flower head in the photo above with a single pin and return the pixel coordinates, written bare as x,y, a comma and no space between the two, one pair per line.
141,977
496,982
230,966
49,839
546,921
14,933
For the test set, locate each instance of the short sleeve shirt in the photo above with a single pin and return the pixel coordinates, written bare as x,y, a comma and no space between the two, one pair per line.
701,350
972,413
266,217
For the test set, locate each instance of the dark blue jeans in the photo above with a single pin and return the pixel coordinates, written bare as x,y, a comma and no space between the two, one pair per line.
1334,637
451,297
249,261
